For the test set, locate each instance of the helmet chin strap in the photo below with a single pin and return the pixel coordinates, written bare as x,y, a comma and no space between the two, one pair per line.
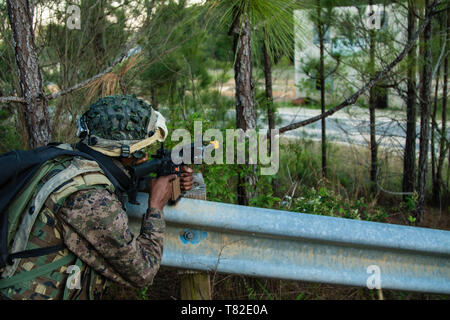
117,150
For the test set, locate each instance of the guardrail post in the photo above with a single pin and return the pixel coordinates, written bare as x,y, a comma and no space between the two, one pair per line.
195,285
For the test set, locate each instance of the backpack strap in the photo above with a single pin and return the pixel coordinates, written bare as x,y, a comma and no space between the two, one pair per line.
29,275
4,238
36,252
107,162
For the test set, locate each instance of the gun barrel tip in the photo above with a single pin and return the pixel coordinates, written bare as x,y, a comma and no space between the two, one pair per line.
215,143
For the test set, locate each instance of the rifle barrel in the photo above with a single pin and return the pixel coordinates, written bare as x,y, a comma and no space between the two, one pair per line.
146,168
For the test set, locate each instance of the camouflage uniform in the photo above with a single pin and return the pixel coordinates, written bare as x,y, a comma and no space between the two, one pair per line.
92,222
95,228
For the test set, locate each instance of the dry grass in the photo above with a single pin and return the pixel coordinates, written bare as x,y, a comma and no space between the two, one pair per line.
166,286
112,82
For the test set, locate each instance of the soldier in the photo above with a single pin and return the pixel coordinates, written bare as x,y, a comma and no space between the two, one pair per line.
86,213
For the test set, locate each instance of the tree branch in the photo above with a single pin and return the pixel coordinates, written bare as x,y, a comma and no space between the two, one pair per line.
78,86
4,100
380,75
86,82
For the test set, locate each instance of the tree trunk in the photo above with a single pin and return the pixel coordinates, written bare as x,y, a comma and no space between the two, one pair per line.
172,92
245,98
372,107
97,30
149,5
36,116
321,33
269,90
183,100
269,99
243,75
409,161
442,144
424,118
434,182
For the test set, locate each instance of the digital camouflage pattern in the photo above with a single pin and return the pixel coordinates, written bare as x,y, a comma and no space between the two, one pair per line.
93,225
45,233
95,228
85,214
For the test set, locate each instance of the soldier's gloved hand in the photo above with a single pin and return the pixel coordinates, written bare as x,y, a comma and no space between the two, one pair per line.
160,191
186,178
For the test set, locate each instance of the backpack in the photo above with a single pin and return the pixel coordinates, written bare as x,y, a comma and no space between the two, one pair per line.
32,180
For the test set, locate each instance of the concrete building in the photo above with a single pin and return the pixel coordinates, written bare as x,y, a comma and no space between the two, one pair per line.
350,41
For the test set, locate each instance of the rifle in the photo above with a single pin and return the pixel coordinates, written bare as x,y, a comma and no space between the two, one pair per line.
162,165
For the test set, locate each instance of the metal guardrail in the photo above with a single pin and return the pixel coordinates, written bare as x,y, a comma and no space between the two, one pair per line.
219,237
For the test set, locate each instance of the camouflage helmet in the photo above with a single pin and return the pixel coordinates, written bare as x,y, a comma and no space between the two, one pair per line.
118,126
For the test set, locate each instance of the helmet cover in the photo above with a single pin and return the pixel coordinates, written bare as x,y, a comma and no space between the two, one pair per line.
121,125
